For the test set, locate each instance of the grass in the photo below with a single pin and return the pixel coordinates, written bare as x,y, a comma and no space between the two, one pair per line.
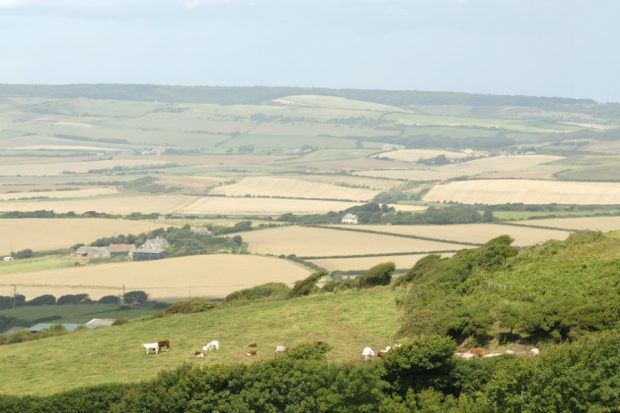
47,262
524,215
347,321
76,313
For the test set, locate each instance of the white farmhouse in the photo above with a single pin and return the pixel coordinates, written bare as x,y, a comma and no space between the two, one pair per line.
349,219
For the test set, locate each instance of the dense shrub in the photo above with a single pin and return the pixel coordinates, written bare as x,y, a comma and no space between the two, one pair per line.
109,299
73,299
135,297
27,253
307,285
340,285
309,351
195,305
46,299
268,290
380,274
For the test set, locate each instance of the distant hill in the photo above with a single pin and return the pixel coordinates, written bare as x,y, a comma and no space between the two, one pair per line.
261,94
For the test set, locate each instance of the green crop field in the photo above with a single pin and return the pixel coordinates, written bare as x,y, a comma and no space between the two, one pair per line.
347,321
76,313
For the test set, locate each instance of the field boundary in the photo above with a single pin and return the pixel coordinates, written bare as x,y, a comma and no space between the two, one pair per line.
422,238
515,224
386,254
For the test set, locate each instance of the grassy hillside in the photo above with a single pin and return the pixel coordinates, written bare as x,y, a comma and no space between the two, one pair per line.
347,321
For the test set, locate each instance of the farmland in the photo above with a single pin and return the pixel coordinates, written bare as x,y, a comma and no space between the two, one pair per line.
203,275
346,321
321,242
604,223
18,234
363,263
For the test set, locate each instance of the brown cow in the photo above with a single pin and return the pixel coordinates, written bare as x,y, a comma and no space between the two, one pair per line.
251,353
253,345
164,343
199,354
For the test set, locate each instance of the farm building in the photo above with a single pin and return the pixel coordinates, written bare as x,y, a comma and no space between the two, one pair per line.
100,322
152,249
92,252
120,250
349,219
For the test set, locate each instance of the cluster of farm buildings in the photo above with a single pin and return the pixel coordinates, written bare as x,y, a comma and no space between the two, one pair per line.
152,249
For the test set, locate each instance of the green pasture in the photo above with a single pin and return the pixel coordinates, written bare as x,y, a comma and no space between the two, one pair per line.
47,262
76,313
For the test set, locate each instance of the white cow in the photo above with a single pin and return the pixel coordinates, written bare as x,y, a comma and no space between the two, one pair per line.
386,349
280,349
211,345
7,259
151,346
367,353
534,351
510,352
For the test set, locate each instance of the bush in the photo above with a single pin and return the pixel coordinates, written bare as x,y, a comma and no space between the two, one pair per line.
46,299
309,351
340,285
307,285
135,298
73,299
109,299
195,305
268,290
27,253
380,274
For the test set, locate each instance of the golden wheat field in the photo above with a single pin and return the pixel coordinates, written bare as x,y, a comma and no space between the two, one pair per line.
364,263
594,223
350,181
414,155
121,205
474,233
45,234
321,242
262,206
293,188
503,191
201,275
58,168
77,193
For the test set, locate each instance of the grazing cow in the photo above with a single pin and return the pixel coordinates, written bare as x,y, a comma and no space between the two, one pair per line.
510,352
7,259
398,345
386,349
164,343
211,345
151,346
251,353
280,349
380,354
534,351
200,354
465,355
496,354
253,345
367,353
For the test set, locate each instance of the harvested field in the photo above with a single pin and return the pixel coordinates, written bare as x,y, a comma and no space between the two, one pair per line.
78,193
412,174
57,168
350,181
121,205
593,223
502,191
364,263
262,206
414,155
45,234
293,188
474,233
201,275
321,242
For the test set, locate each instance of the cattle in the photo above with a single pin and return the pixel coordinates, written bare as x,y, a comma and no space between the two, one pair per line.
7,259
386,349
253,345
151,346
251,353
367,353
380,354
465,355
510,352
280,349
534,351
211,345
398,345
164,344
199,354
496,354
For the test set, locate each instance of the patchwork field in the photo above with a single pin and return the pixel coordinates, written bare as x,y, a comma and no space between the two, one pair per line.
46,234
364,263
261,206
474,233
501,191
414,155
610,223
78,193
293,188
121,205
201,275
321,242
347,321
60,168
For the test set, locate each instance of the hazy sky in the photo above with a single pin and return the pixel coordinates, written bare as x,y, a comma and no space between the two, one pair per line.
535,47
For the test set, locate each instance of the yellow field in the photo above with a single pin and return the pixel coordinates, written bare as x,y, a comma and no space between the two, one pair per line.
57,168
594,223
202,275
351,181
414,155
46,234
262,206
293,188
501,191
474,233
306,241
78,193
412,174
121,205
352,264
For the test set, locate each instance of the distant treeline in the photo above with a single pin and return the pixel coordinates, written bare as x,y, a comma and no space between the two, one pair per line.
257,95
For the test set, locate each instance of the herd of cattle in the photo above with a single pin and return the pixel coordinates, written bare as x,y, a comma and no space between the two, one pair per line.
367,352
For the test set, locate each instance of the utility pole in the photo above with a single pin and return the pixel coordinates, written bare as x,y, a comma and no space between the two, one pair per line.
123,296
14,294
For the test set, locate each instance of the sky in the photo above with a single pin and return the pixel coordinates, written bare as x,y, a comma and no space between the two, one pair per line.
564,48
